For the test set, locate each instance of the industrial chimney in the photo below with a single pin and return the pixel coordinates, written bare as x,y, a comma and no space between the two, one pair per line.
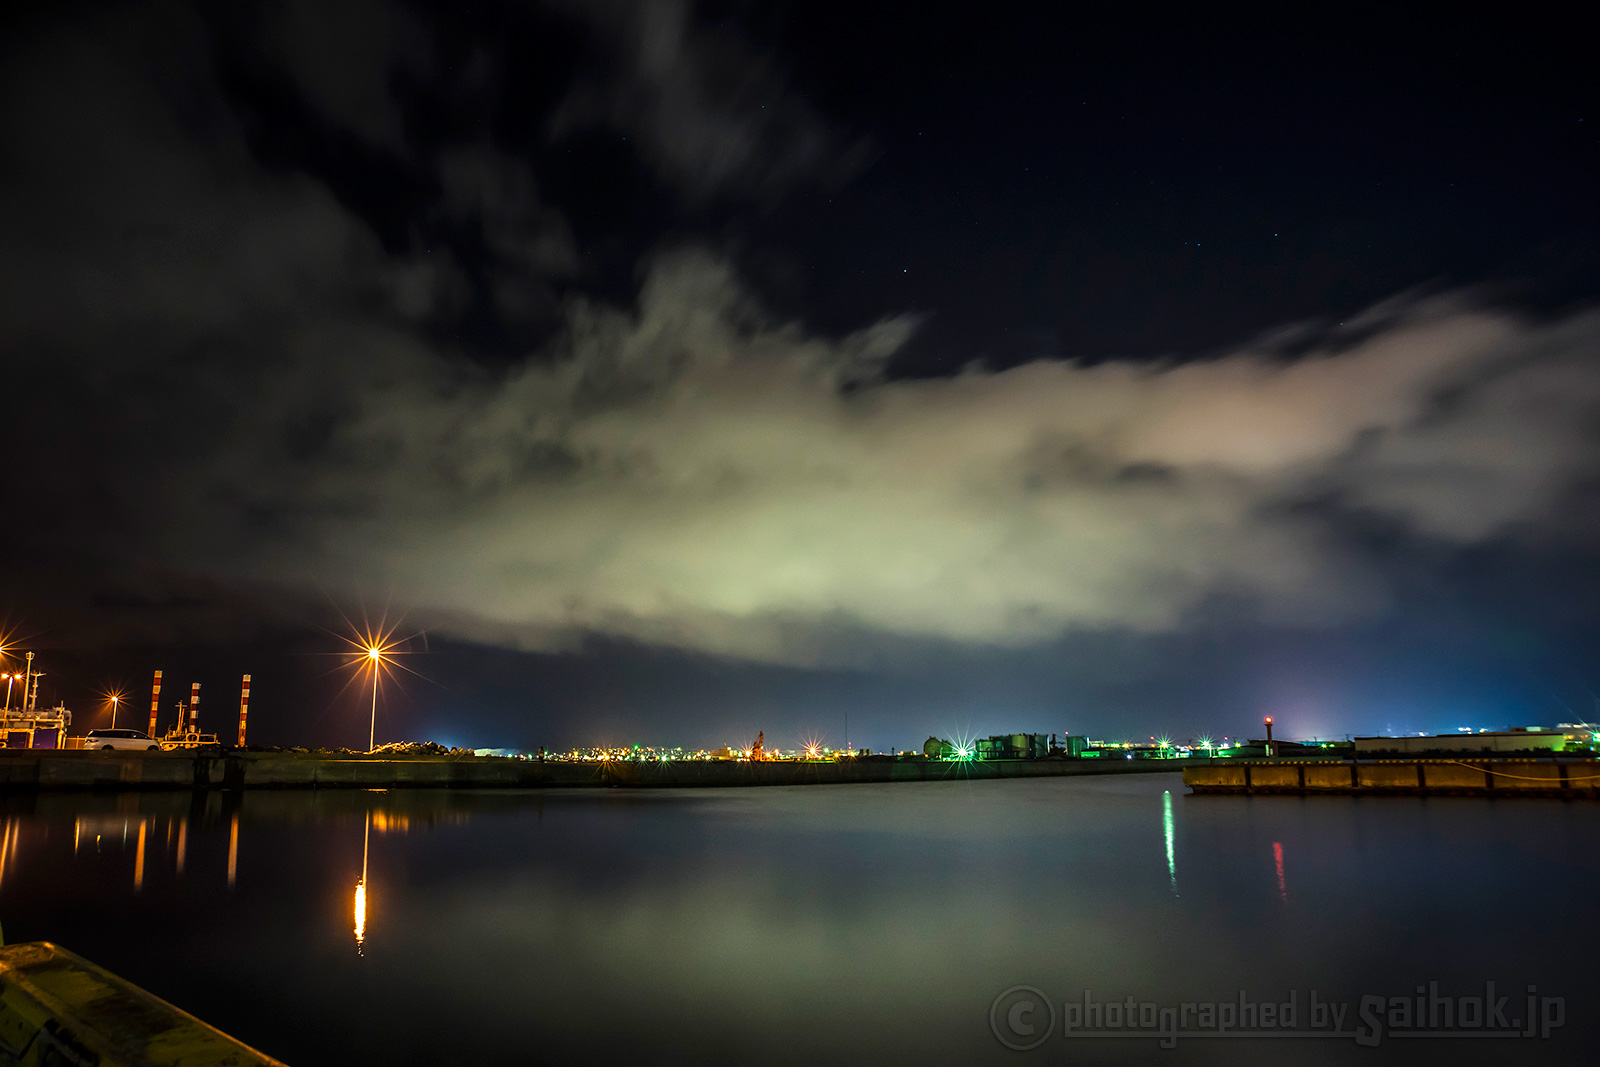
244,708
155,701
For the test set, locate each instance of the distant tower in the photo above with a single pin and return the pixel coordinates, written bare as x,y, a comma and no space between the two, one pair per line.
755,753
1272,749
194,707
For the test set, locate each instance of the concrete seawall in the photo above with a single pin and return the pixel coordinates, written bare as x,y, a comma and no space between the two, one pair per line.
27,770
1576,778
736,773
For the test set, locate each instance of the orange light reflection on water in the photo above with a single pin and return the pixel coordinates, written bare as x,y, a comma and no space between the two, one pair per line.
361,915
138,862
385,823
233,851
361,890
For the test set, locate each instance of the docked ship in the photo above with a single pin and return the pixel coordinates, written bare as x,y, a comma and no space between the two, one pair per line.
185,732
26,726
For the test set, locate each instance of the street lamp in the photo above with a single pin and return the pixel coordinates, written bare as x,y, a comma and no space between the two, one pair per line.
377,651
115,699
375,660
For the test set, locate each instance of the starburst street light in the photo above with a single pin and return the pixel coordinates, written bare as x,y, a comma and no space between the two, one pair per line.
374,648
377,656
112,697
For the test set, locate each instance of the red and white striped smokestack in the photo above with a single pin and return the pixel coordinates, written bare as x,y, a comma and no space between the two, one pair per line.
244,708
155,701
194,707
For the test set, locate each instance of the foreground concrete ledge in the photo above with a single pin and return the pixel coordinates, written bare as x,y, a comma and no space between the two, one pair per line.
58,1008
1438,776
30,770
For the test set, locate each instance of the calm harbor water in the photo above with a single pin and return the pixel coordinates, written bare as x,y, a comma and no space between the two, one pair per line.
806,925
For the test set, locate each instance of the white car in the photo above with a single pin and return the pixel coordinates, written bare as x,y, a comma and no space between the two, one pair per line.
104,739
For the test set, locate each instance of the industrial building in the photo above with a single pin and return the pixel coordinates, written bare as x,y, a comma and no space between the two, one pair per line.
1525,739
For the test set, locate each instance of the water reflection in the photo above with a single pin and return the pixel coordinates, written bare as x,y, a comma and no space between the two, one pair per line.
233,851
859,923
1166,826
5,847
138,862
361,890
145,829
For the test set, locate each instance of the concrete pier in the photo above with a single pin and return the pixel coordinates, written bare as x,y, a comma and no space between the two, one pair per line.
1576,778
28,770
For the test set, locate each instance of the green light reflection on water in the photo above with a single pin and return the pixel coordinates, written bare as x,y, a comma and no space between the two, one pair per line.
1166,826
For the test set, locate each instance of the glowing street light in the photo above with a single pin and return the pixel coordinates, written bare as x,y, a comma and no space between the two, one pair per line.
375,649
115,700
375,660
377,655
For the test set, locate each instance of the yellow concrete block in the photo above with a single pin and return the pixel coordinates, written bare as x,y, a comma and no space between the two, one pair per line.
1275,776
1327,776
1388,776
1515,776
1452,776
1226,775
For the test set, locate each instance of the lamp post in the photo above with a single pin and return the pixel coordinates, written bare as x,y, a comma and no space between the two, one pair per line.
11,680
115,699
374,657
375,652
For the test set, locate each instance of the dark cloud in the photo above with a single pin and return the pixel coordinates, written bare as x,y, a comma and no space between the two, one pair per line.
526,243
712,113
343,56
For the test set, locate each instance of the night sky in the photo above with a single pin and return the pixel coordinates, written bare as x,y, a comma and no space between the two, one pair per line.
667,372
